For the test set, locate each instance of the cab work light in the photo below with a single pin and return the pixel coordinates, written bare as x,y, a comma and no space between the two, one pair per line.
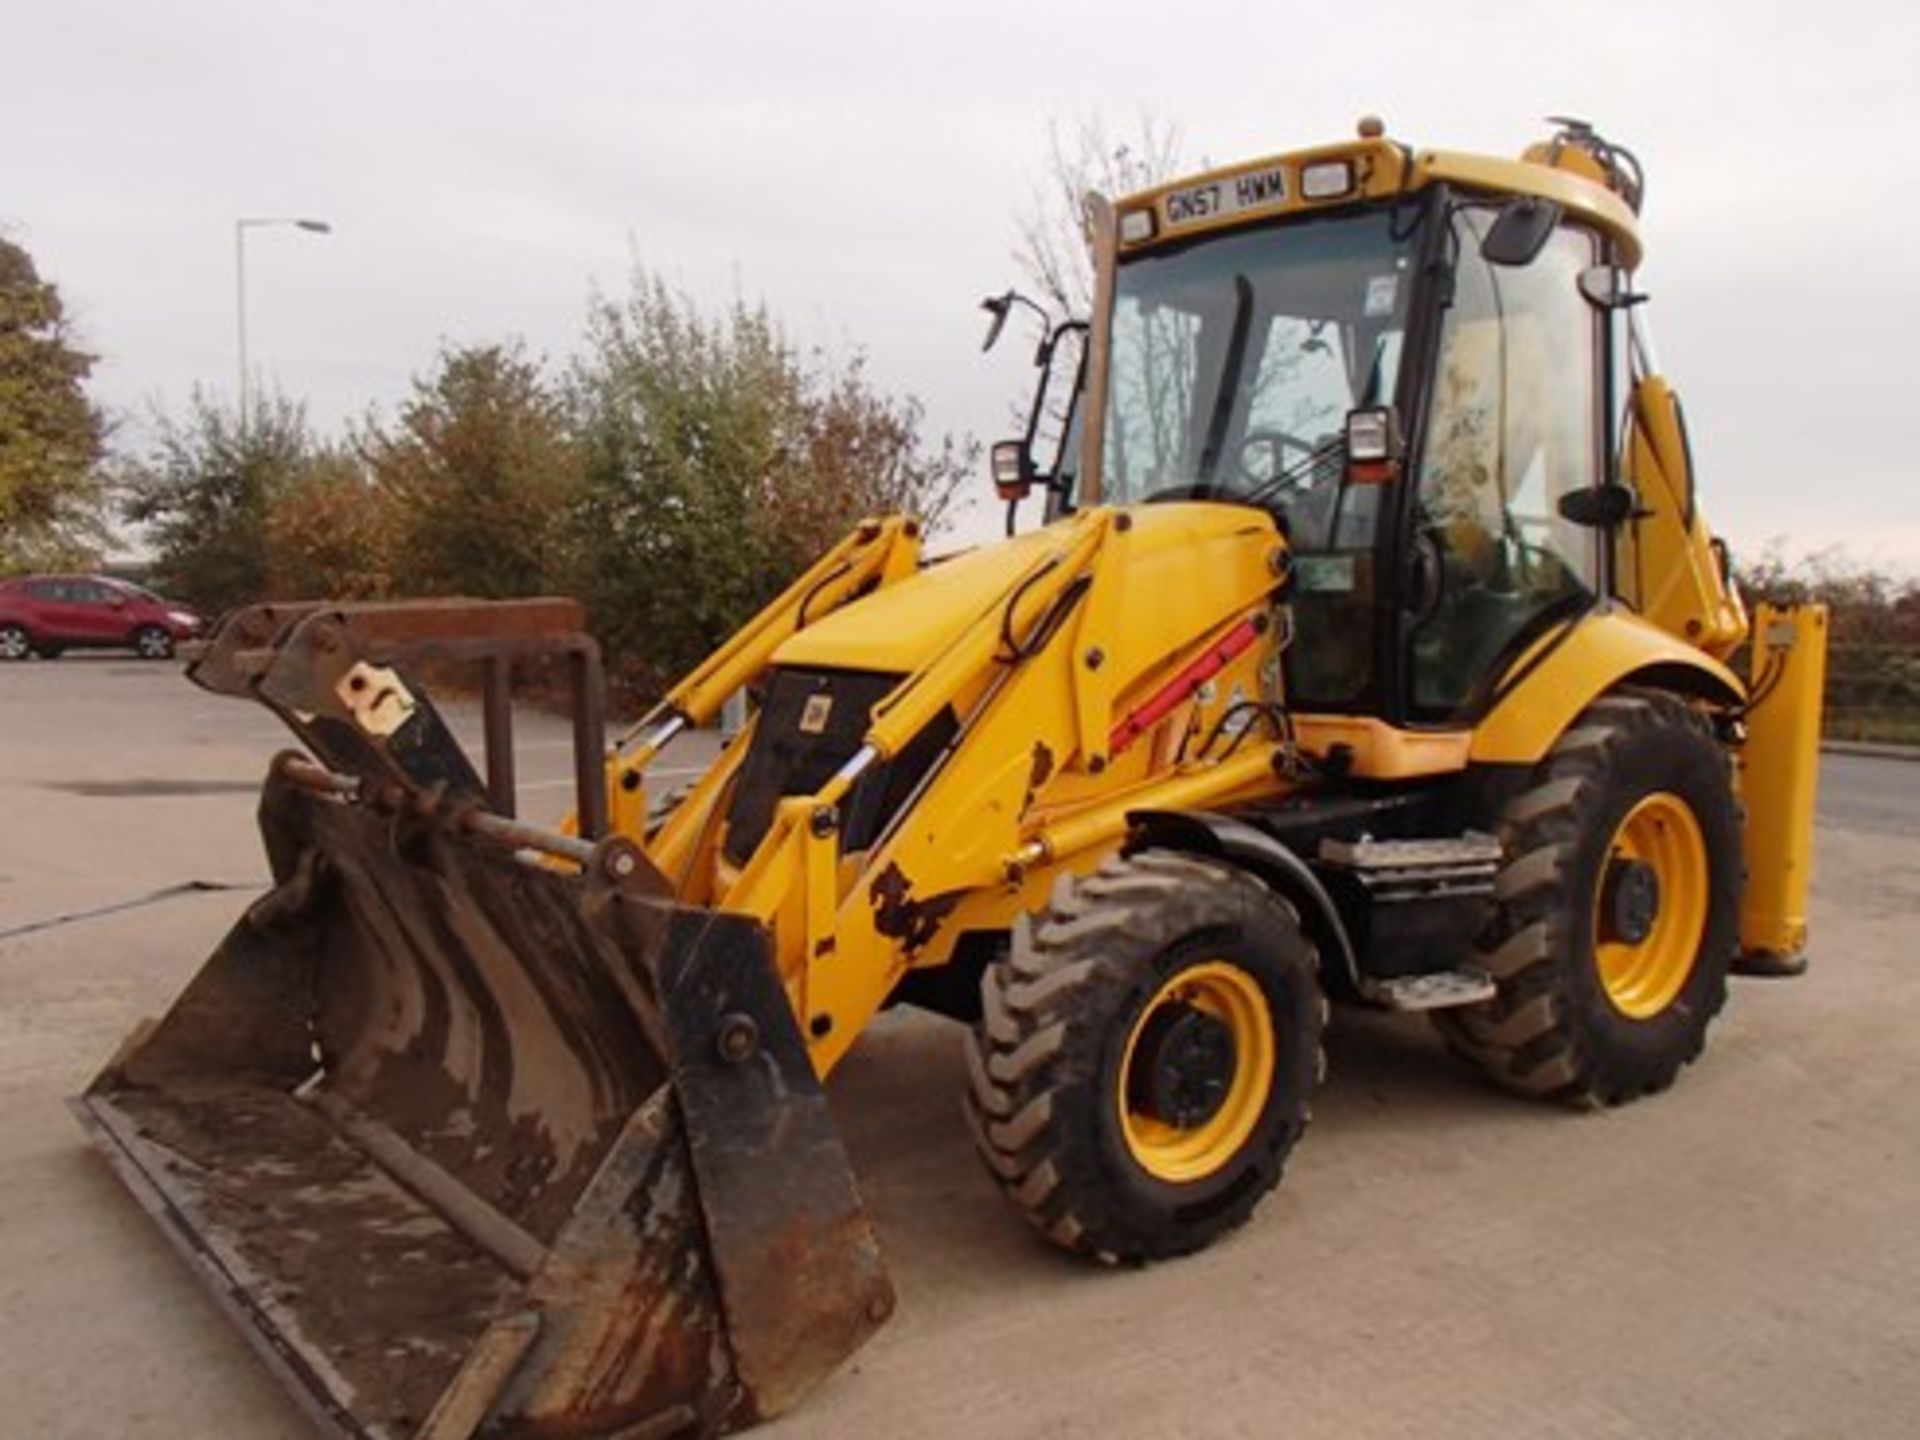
1012,469
1374,446
1372,435
1136,226
1326,179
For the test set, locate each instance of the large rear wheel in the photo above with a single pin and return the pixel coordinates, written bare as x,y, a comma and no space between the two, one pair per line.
1145,1055
15,643
1618,909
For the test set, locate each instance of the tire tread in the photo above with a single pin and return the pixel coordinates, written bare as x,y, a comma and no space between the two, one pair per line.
1034,1054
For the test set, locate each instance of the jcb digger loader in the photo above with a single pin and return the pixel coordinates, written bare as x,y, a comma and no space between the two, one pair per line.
1373,648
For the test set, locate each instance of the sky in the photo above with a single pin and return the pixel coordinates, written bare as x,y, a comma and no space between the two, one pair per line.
863,168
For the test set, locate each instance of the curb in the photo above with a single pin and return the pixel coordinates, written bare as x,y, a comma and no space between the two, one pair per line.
1867,747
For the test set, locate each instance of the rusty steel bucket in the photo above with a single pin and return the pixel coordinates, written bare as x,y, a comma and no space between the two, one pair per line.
474,1143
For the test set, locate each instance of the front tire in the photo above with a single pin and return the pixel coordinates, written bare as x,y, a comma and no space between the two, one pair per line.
1618,909
1145,1055
153,643
15,643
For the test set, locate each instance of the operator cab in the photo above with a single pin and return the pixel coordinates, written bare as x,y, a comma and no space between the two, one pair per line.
1250,324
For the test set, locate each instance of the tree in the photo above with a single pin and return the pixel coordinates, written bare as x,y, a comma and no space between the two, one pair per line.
51,435
1055,251
861,454
717,462
480,477
205,491
330,533
1873,634
1054,247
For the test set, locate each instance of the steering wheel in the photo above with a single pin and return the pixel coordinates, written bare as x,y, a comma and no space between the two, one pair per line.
1276,444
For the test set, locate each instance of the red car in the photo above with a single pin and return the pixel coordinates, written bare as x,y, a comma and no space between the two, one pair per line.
45,614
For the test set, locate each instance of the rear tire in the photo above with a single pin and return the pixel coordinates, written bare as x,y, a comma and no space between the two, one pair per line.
1618,910
153,643
15,643
1145,1055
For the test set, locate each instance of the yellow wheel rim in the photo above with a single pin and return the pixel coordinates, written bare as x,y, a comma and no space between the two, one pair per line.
1183,1153
1642,975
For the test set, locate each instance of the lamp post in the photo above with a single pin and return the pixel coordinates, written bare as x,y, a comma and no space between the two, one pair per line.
240,228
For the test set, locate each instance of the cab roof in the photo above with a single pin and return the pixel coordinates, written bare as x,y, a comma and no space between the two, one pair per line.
1297,182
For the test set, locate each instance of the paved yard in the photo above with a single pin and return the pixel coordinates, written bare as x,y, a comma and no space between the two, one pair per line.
1740,1257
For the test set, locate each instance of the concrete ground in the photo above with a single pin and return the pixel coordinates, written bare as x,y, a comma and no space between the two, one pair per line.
1738,1257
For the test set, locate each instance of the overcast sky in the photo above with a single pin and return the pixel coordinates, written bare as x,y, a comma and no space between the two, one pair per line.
860,167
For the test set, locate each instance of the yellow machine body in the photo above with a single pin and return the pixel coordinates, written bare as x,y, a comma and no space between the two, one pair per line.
1140,595
584,1062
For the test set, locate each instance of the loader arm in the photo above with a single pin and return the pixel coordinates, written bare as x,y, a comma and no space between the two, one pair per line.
876,553
1041,685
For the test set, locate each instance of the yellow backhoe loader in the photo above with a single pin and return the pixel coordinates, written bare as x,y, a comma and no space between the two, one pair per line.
1373,649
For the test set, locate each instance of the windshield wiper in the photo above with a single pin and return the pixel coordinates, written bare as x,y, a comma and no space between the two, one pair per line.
1294,473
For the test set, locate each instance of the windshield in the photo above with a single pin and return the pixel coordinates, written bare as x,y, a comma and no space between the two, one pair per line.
1234,363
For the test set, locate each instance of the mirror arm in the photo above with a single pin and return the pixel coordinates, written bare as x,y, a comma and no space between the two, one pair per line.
1001,305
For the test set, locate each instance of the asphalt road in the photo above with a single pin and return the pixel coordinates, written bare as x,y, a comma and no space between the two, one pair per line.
1738,1257
1871,794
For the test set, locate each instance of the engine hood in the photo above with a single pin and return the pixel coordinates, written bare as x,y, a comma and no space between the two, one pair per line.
902,627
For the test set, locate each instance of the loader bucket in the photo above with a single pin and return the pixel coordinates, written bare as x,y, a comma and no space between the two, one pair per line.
475,1146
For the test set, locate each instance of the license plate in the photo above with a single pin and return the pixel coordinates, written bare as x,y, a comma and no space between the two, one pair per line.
1230,195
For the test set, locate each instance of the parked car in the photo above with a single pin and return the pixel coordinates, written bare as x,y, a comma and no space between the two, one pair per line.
45,614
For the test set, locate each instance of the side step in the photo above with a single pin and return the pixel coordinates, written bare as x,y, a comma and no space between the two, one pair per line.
1421,897
1394,871
1439,990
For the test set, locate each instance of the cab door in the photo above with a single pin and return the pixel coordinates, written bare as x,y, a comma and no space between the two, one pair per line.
1514,422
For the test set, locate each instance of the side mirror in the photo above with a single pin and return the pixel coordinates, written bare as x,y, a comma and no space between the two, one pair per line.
1016,464
996,306
1012,465
1520,232
1603,507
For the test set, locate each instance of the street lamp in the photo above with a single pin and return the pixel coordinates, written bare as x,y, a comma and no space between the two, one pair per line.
240,228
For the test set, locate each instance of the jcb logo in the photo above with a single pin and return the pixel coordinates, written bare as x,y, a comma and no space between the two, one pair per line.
813,715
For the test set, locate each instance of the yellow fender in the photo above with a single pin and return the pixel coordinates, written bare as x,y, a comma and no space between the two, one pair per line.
1561,674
